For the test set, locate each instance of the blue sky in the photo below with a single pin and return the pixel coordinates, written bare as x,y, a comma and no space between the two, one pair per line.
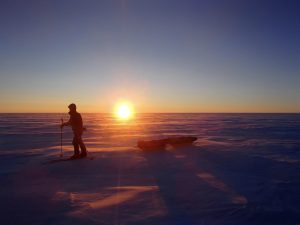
161,55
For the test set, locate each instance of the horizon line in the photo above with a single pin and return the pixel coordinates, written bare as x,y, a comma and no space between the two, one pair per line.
156,112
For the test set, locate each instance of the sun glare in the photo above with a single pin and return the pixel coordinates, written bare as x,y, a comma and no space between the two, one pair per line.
124,111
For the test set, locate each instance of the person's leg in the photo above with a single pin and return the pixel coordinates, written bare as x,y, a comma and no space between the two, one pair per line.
80,143
82,146
76,145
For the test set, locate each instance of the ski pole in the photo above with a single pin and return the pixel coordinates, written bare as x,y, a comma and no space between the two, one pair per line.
61,152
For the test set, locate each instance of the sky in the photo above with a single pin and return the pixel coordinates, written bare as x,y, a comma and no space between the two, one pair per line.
159,55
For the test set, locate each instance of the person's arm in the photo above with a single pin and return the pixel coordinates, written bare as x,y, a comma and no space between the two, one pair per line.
66,124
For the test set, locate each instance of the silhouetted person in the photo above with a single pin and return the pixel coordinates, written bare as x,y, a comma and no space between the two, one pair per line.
76,123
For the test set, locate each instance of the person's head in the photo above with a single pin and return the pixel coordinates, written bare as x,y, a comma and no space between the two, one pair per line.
72,107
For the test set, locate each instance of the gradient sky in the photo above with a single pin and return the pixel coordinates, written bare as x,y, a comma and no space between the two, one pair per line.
161,55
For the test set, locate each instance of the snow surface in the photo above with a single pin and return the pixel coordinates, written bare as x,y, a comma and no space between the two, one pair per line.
244,169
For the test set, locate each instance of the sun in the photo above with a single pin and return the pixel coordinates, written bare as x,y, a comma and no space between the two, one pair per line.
124,111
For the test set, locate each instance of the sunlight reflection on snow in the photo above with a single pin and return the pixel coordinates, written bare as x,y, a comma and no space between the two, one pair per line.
216,183
94,205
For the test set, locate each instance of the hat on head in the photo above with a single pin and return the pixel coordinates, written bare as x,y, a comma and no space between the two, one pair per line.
72,106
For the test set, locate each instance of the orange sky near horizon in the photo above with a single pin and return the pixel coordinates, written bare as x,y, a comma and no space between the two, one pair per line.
142,107
145,98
